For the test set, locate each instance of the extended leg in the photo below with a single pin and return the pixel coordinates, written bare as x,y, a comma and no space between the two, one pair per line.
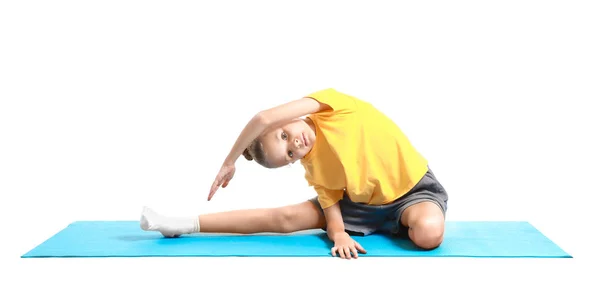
286,219
425,222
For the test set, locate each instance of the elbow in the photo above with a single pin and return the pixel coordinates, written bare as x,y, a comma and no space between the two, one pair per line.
262,119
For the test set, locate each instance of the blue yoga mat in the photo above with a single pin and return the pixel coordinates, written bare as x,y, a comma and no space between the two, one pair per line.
126,239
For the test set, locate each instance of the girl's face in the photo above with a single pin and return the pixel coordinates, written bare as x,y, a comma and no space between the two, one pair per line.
288,142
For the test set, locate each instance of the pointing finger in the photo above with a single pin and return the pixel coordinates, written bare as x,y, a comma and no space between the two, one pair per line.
213,189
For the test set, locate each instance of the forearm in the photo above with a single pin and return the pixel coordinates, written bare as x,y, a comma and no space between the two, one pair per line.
335,223
251,131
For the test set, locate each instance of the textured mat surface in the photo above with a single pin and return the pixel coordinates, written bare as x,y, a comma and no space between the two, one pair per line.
126,239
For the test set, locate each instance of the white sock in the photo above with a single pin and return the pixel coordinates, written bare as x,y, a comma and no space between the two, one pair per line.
168,226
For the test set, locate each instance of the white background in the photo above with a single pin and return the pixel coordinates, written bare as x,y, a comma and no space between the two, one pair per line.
106,106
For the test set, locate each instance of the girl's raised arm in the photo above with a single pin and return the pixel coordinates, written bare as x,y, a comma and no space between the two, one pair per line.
256,126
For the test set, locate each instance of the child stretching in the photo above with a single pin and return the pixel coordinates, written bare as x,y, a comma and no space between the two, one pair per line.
367,176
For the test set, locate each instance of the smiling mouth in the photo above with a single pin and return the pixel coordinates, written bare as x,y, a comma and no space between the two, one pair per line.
304,139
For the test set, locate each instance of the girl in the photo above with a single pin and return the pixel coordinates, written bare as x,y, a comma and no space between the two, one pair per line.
367,176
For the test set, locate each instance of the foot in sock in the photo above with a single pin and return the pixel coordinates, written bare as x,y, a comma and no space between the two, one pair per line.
168,226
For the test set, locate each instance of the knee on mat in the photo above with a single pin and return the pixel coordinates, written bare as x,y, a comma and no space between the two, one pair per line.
428,233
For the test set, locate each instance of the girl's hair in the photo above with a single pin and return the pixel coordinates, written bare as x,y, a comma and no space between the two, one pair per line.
256,152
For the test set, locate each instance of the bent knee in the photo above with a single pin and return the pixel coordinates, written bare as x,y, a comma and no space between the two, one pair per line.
428,233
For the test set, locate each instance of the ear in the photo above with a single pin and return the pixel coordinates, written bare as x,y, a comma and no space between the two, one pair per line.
247,155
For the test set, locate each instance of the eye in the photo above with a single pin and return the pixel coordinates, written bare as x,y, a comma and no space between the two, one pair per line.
290,154
283,136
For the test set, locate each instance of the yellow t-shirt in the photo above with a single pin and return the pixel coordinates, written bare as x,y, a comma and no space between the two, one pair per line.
361,151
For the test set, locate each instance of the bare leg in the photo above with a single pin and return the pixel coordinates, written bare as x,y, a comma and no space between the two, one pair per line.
425,222
286,219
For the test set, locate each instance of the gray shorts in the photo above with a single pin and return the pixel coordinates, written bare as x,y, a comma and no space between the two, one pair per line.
363,219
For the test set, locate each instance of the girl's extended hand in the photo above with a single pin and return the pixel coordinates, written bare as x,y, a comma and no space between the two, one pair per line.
222,180
346,246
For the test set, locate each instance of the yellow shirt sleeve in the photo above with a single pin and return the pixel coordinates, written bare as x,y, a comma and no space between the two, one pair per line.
339,102
328,197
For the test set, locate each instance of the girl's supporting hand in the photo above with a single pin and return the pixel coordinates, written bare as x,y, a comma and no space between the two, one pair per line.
223,177
346,246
